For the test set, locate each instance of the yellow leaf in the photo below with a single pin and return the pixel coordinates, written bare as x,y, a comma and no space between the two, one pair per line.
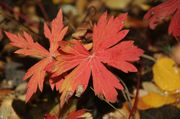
166,74
88,46
117,4
178,105
140,3
151,87
56,1
155,100
62,1
142,105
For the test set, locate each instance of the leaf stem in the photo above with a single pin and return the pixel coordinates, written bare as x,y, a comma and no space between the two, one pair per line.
109,104
148,57
177,39
134,108
126,95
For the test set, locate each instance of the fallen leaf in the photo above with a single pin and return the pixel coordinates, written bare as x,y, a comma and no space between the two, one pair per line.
151,87
81,6
117,4
155,100
166,75
140,3
122,113
135,23
62,1
81,31
88,46
56,1
176,53
2,66
6,109
87,115
167,78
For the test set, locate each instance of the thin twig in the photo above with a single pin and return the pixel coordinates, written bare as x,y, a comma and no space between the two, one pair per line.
109,104
69,23
91,12
126,94
148,57
177,39
133,111
41,6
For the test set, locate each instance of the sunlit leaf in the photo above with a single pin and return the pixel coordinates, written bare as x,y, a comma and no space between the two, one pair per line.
151,87
155,100
166,74
117,4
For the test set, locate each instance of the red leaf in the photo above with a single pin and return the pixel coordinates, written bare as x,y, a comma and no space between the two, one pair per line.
56,33
37,75
107,32
77,81
48,116
106,35
75,53
76,114
104,82
27,46
174,27
162,11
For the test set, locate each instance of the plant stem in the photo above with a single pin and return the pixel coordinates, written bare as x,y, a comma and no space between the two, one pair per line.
148,57
126,95
41,6
177,39
134,108
110,104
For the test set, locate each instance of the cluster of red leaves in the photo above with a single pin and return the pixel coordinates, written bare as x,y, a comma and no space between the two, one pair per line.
162,11
76,63
106,50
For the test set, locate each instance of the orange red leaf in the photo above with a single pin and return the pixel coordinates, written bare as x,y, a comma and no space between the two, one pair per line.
56,33
27,46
